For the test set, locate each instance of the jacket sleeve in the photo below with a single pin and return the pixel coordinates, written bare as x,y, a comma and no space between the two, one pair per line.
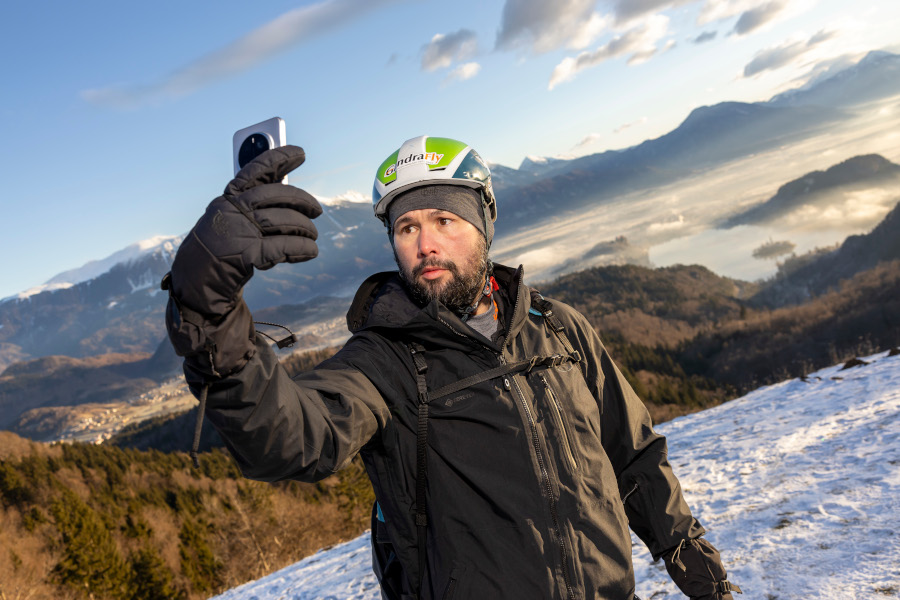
305,428
654,504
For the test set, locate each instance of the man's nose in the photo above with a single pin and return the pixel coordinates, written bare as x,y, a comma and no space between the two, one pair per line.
427,242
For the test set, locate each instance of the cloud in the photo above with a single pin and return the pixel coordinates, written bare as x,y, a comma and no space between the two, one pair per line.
706,36
640,42
674,223
625,126
719,10
822,36
629,10
772,249
586,141
261,44
445,49
753,19
540,26
463,72
776,57
753,15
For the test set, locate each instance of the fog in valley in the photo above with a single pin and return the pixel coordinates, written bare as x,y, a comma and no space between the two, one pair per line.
677,223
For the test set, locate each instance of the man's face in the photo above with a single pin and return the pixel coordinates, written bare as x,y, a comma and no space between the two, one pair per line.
441,256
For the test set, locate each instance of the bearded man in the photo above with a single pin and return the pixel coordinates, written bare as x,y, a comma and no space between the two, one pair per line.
508,454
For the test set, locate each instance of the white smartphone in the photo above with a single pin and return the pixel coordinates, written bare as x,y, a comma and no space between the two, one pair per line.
250,142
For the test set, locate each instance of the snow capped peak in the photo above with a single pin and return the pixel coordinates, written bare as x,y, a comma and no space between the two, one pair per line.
163,243
46,287
348,196
540,163
875,56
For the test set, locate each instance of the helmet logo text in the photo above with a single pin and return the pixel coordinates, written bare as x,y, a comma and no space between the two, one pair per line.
429,158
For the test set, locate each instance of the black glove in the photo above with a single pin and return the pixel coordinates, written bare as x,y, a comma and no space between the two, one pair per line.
257,222
696,567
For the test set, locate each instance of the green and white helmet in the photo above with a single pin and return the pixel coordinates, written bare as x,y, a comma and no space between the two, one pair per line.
426,160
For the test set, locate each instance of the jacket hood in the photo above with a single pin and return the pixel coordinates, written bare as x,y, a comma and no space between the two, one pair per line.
383,302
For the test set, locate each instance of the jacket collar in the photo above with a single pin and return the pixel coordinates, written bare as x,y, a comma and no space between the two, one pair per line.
382,302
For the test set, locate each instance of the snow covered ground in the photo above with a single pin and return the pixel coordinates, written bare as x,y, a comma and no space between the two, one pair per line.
797,483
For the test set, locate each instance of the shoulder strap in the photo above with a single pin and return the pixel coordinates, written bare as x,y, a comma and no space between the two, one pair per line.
421,458
542,306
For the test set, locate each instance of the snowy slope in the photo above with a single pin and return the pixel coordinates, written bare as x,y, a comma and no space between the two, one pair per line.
165,244
797,483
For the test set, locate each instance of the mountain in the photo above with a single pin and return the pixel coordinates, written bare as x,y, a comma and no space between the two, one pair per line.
876,76
117,311
121,308
793,482
166,244
709,136
52,382
817,189
807,276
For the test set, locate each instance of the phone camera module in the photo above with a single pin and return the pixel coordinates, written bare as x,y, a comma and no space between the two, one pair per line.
252,147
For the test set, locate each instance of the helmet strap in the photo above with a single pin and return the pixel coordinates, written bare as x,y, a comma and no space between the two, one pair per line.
484,216
486,291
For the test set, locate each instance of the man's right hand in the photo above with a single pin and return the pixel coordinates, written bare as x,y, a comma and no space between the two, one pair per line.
256,223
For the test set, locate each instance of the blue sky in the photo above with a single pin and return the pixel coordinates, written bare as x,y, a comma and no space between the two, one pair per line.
119,116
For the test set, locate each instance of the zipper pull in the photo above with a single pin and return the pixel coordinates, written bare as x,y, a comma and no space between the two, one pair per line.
506,383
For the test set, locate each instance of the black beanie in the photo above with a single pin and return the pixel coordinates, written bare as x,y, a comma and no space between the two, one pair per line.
465,202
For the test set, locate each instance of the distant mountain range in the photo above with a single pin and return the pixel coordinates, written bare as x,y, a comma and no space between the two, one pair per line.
813,274
816,188
120,309
875,76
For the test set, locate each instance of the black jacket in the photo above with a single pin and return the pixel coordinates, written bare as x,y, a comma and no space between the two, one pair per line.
533,479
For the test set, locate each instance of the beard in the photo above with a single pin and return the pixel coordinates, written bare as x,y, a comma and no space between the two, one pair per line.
457,293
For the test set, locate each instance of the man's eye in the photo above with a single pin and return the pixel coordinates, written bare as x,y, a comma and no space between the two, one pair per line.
446,220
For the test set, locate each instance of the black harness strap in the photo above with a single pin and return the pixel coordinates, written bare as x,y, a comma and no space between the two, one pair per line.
421,458
545,307
525,366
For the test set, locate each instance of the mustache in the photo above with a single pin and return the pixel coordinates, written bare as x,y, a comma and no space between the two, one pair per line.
435,263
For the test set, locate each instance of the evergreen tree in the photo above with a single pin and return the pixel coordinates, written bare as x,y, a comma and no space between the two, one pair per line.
151,578
90,559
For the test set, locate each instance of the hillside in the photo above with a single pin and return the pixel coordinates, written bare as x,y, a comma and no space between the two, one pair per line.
83,521
686,338
807,276
794,482
175,432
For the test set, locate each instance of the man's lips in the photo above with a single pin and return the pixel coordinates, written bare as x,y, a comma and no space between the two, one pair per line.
432,272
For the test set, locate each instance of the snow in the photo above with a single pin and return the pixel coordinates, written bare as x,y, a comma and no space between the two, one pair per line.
797,484
349,196
46,287
95,268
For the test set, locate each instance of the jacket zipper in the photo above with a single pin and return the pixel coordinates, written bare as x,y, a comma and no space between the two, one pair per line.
536,443
545,477
565,431
451,588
